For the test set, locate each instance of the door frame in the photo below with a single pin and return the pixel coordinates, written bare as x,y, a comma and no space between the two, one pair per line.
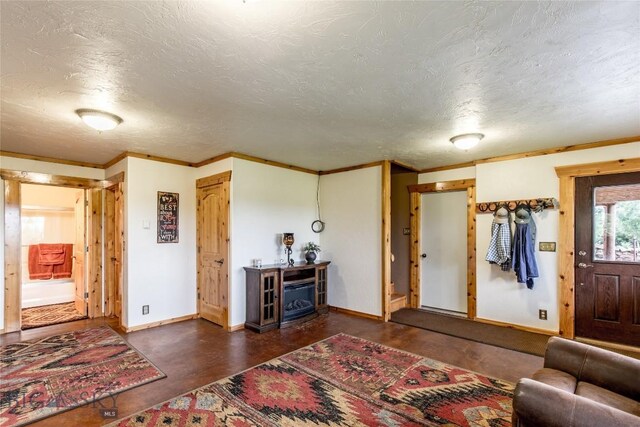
114,247
219,178
416,214
566,236
12,256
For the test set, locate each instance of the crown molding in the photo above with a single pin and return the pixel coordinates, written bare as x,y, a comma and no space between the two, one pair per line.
50,160
535,153
242,156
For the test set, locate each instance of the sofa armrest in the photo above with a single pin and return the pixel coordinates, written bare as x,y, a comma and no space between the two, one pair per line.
538,404
603,368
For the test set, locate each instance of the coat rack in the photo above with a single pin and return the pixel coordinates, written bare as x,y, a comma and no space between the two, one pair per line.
536,205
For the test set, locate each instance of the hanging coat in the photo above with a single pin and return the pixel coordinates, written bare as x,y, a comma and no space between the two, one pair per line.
499,251
523,258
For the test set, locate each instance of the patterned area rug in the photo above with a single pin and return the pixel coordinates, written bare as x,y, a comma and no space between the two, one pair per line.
39,378
53,314
341,381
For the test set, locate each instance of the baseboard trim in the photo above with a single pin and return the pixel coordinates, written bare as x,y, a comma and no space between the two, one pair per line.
236,327
600,343
517,327
159,323
354,313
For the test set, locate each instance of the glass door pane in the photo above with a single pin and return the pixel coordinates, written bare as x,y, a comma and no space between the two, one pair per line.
616,223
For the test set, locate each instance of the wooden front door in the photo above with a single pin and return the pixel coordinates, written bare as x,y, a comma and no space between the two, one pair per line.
213,248
79,252
607,256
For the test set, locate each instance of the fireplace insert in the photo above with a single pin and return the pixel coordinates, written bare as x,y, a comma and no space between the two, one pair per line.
299,300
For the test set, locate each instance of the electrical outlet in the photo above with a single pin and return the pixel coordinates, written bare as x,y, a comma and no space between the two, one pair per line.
542,314
145,309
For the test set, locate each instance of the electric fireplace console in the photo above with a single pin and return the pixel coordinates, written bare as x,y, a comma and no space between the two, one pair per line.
280,296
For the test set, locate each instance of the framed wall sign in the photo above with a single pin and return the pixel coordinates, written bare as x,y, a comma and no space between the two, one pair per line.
167,217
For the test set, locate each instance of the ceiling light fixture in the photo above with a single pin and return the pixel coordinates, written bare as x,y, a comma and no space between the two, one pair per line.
99,120
467,140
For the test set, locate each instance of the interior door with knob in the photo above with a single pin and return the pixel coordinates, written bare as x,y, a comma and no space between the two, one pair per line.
443,278
213,252
607,258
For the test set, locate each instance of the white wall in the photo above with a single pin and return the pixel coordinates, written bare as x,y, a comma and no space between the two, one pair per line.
499,296
267,201
448,175
352,240
161,275
15,163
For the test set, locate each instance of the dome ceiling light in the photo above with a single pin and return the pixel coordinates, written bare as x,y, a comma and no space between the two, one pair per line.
99,120
467,140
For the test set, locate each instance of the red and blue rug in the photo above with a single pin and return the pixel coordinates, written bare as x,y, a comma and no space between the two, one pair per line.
43,377
341,381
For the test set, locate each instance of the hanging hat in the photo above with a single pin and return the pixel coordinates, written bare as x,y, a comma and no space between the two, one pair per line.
523,214
501,215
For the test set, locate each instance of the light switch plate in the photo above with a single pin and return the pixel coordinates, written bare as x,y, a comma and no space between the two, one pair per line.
547,246
145,224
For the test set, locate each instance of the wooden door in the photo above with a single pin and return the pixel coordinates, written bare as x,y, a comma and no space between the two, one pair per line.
607,257
79,252
113,247
213,248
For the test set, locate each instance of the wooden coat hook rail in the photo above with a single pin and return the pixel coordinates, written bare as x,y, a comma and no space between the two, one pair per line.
536,205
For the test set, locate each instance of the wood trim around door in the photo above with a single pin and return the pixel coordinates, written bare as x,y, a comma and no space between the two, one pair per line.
386,240
113,247
12,255
218,178
12,266
442,187
94,258
566,235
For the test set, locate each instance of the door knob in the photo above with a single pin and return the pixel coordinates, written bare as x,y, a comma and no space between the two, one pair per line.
219,261
423,255
583,265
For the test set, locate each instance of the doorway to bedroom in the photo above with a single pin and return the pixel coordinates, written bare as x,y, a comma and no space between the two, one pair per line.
53,243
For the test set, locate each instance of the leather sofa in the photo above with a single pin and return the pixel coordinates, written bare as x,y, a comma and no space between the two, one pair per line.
580,385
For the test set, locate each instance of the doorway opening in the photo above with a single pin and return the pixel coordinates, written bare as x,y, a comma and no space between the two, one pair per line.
432,221
401,178
53,241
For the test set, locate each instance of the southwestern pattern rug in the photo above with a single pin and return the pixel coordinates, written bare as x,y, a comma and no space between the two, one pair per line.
43,377
341,381
35,317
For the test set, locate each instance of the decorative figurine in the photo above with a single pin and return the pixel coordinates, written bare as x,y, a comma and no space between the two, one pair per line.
287,239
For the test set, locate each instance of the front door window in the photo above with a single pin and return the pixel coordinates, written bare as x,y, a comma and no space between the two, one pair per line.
616,223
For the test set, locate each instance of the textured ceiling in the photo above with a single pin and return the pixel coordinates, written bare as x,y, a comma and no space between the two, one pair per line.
317,84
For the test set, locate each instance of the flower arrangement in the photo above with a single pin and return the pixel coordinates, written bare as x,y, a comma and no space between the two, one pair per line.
311,247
